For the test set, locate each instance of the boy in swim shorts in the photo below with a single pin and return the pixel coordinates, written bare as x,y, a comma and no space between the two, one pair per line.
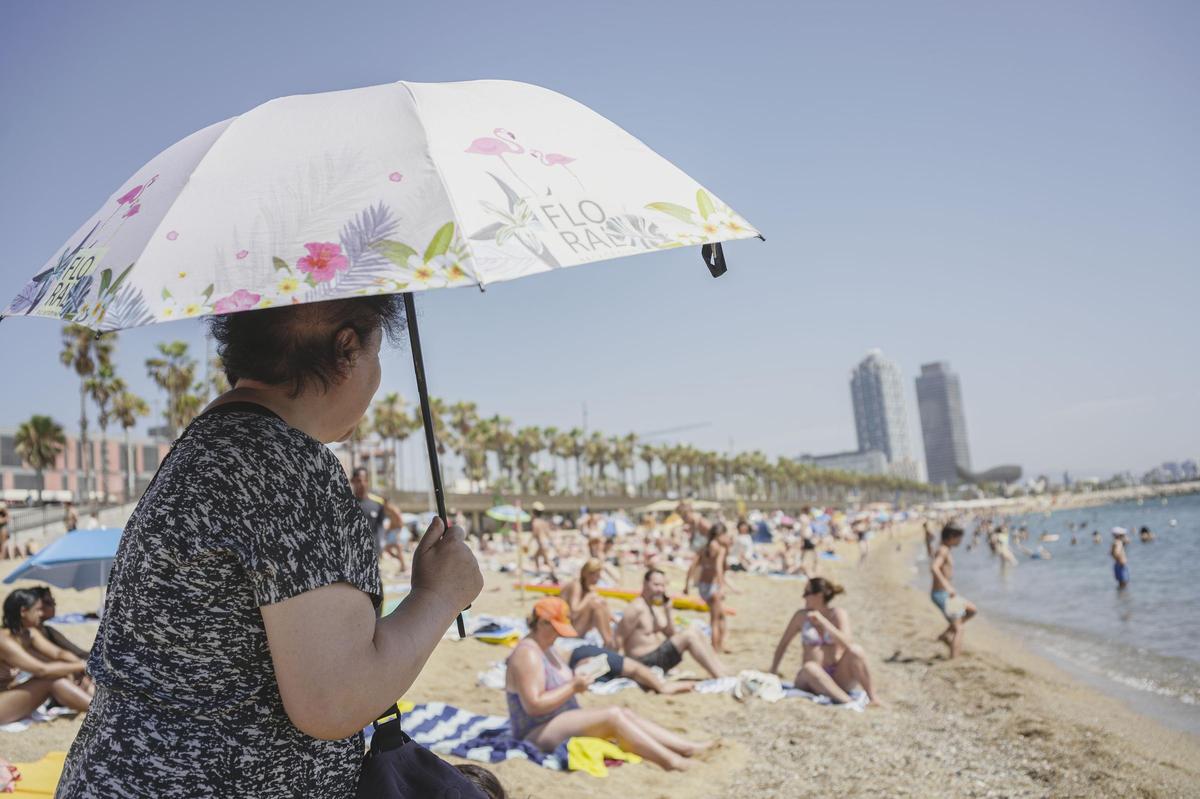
956,610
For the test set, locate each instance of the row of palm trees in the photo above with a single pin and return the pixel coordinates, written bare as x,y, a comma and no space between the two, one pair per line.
491,451
494,454
90,357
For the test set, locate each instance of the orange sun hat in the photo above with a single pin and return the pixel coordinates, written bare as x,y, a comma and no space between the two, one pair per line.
555,610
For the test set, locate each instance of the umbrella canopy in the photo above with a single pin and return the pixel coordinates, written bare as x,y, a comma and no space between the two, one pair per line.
508,513
80,559
396,188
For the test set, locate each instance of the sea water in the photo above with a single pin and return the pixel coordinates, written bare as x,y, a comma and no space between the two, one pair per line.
1141,644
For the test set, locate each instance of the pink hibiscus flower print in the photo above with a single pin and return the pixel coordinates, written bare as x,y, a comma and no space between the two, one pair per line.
395,177
324,261
241,254
174,234
240,300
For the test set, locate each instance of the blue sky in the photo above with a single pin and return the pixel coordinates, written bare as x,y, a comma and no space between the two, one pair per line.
1011,187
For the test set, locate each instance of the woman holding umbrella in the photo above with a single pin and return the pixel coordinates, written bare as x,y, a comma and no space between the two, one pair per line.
240,652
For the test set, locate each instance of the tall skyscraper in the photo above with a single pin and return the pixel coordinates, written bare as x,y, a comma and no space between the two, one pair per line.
880,415
943,425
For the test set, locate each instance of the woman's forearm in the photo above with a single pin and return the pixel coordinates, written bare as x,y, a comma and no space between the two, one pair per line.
548,701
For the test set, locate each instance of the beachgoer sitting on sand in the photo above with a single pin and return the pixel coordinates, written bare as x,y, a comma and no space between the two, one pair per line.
49,608
32,669
646,631
957,610
708,570
542,709
833,663
589,610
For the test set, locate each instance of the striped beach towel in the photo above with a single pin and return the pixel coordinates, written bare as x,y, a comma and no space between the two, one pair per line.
448,730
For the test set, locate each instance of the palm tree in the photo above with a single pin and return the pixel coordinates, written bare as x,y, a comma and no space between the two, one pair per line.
357,436
218,383
82,351
461,420
104,386
528,442
649,454
622,449
394,425
501,442
39,442
596,453
126,408
575,447
173,371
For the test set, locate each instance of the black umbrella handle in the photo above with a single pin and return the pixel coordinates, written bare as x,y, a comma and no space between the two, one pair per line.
414,342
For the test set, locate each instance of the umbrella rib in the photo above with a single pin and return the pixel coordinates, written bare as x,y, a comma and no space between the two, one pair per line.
442,180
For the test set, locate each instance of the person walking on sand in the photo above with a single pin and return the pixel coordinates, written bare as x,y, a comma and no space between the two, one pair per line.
539,528
540,690
1120,557
647,633
833,663
708,569
957,610
241,651
70,517
380,514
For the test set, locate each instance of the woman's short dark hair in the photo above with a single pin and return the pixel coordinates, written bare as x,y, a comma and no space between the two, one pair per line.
17,601
483,779
296,345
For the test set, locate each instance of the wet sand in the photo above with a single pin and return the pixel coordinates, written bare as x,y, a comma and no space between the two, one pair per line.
1000,721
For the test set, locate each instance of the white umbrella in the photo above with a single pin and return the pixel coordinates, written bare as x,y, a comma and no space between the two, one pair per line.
395,188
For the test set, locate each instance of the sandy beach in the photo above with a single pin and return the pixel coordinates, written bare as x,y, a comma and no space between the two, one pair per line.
998,722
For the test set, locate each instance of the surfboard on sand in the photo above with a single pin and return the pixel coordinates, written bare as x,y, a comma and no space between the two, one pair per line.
683,602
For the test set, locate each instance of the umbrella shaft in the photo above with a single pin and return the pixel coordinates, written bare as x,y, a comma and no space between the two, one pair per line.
414,341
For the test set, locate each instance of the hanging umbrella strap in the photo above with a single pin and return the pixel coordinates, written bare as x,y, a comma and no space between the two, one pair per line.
714,258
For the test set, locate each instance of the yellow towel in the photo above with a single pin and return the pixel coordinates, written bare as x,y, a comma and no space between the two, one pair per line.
40,779
589,754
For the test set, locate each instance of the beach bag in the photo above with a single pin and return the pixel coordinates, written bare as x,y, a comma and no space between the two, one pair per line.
397,767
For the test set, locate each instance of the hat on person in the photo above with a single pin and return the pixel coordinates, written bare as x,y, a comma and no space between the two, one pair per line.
555,611
1119,531
537,506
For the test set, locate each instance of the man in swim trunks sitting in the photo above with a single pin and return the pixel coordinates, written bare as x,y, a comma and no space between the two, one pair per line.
620,666
647,633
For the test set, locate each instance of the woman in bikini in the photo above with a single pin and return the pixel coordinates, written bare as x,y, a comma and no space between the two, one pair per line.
589,610
833,663
542,708
32,669
709,571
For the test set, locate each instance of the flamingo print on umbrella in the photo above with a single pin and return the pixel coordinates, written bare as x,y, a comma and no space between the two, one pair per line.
501,142
556,159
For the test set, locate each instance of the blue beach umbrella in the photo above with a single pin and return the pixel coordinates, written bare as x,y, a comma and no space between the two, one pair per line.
81,559
508,513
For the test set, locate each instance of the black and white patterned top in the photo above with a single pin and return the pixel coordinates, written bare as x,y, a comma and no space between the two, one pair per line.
245,511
